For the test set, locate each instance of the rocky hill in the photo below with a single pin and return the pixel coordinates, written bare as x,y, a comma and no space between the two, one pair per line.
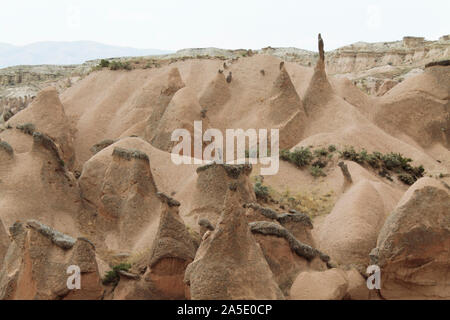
87,178
65,53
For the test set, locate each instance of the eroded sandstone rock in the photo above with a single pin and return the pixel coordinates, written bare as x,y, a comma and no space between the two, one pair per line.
212,186
229,263
35,266
327,285
413,247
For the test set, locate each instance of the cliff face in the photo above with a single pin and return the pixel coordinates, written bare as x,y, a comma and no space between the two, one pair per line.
412,51
377,67
22,81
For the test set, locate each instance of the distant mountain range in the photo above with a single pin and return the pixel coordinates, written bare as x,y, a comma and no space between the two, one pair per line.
65,53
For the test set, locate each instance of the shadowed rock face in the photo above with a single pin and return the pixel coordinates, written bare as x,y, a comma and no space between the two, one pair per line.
4,243
173,249
286,255
413,249
35,266
297,223
229,263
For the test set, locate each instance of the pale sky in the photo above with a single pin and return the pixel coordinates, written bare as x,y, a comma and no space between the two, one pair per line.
232,24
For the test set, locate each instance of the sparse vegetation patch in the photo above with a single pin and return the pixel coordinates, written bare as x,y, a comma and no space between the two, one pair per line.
113,277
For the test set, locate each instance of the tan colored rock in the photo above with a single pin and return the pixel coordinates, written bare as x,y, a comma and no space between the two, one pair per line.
357,286
413,247
6,151
319,91
229,263
4,243
36,264
173,249
326,285
37,183
119,183
216,94
173,84
349,232
285,101
386,86
181,113
212,186
46,113
418,107
286,255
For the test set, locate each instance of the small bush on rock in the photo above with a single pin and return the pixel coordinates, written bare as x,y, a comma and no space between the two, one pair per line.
112,277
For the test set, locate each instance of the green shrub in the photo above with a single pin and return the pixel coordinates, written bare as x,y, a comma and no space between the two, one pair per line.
319,163
331,148
285,155
373,161
321,152
104,63
407,178
394,161
261,191
317,172
301,157
112,277
349,153
364,156
418,172
118,65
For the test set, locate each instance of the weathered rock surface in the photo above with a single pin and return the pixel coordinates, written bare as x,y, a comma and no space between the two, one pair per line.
297,223
47,115
413,247
357,286
350,231
118,182
35,266
326,285
286,256
173,83
4,242
229,263
212,186
173,249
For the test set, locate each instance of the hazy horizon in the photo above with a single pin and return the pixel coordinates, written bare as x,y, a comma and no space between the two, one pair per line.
174,25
